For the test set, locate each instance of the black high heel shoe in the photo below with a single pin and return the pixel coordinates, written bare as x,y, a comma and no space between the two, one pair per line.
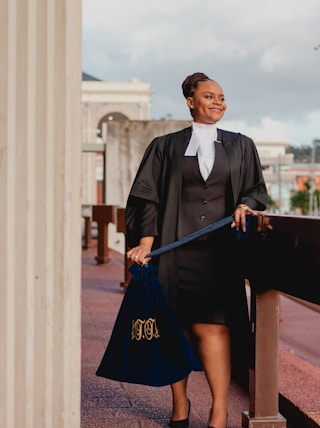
210,416
183,423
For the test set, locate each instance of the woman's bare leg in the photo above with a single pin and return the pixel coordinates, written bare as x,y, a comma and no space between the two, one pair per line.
180,405
213,343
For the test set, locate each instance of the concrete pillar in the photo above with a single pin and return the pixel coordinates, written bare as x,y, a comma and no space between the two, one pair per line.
264,396
40,213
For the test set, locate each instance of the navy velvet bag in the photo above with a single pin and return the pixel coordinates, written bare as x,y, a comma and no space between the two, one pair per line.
147,345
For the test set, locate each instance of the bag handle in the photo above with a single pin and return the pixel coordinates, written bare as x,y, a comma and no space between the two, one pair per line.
208,229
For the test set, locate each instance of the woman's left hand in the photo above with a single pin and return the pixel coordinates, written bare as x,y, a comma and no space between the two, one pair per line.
240,213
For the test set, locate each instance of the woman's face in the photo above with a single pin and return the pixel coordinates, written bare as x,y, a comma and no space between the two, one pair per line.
207,103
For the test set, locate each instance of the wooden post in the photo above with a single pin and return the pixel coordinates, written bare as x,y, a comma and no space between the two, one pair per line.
121,228
103,215
87,215
263,379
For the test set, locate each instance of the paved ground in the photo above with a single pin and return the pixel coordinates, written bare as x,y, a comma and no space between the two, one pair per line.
299,362
110,404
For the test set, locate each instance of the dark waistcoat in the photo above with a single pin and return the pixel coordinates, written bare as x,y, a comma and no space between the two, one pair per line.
204,202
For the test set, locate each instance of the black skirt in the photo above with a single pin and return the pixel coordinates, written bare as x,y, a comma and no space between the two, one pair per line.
210,288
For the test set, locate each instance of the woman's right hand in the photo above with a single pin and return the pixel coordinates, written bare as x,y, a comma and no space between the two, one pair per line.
138,254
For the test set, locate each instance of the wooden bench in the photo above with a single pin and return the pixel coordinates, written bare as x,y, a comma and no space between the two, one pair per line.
86,213
103,215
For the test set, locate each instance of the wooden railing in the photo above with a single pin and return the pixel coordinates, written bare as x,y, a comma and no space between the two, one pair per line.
286,258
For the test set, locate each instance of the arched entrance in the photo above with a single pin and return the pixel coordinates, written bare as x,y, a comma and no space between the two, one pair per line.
100,156
107,118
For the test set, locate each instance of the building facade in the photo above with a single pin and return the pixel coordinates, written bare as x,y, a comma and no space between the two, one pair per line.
277,171
102,103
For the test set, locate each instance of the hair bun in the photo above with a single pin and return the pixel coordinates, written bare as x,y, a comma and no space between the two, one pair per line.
190,83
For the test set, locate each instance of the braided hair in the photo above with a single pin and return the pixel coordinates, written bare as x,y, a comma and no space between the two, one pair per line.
191,82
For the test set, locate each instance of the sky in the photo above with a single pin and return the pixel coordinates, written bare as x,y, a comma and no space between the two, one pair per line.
264,54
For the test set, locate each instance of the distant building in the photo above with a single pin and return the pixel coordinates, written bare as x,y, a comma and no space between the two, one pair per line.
87,77
277,171
303,173
283,176
103,102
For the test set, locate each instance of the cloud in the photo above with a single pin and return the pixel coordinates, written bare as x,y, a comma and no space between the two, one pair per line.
266,130
272,58
262,54
306,130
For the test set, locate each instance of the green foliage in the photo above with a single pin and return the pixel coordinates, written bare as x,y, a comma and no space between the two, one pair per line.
303,153
317,197
300,200
271,205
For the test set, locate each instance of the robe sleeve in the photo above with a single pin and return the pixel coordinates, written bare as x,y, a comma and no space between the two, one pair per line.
142,205
141,220
253,190
146,182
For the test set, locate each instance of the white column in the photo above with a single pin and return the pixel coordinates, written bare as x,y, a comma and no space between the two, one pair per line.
40,213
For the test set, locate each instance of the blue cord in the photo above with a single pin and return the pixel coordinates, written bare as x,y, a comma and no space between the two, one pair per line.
208,229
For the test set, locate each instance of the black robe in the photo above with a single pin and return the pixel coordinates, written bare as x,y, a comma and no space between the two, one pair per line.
159,180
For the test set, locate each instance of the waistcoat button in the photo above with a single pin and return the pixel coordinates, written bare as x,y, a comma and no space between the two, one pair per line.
202,218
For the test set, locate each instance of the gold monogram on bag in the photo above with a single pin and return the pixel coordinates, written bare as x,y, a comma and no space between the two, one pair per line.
144,329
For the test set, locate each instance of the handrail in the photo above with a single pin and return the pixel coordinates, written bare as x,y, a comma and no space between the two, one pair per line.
286,257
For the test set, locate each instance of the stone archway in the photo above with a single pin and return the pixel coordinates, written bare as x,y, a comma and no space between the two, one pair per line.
112,116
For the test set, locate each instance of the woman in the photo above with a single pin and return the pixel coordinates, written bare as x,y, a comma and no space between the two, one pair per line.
186,181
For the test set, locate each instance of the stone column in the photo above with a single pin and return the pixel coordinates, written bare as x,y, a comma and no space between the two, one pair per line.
40,213
263,380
